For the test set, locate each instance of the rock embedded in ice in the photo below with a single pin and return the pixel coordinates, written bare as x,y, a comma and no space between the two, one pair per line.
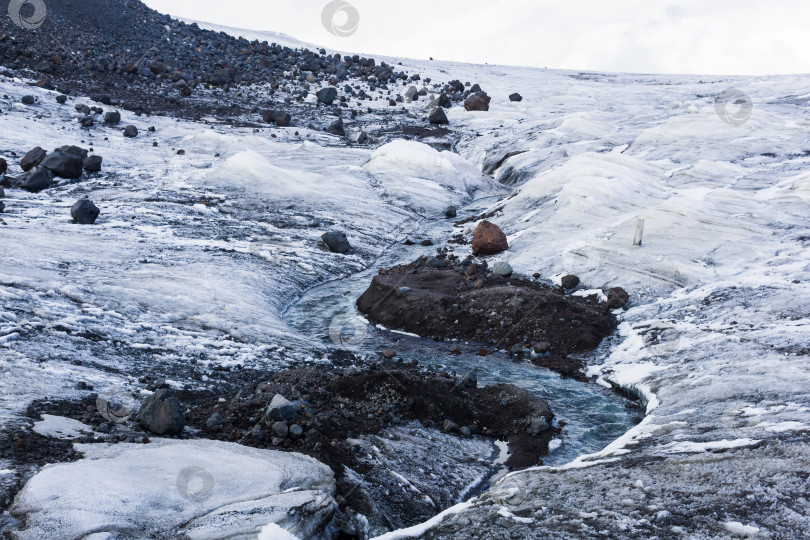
84,212
450,212
479,101
437,117
28,100
33,158
516,97
177,489
336,242
61,99
569,282
162,413
488,239
336,128
617,298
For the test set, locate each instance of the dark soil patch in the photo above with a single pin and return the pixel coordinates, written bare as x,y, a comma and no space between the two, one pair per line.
461,300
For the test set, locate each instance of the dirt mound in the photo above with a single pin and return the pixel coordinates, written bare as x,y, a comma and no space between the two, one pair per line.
446,299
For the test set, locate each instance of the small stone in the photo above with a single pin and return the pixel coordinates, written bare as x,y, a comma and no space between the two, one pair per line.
451,212
336,242
92,163
28,100
516,97
280,429
296,431
61,100
404,290
470,380
130,132
617,298
538,425
282,409
214,421
112,118
336,128
541,347
389,353
466,431
502,268
450,426
438,117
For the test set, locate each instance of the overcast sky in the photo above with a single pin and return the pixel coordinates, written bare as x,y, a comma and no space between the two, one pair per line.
744,37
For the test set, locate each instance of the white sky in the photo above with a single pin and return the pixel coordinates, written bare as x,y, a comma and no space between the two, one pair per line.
723,37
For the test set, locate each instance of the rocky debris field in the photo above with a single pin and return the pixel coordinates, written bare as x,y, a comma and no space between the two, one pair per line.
449,298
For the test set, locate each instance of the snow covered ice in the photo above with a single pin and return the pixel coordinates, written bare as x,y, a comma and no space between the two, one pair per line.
195,258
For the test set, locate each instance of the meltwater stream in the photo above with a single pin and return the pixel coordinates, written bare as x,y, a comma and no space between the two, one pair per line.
592,416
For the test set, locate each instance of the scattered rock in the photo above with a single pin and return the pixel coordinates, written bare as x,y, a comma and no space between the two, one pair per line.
3,166
336,128
282,409
130,132
488,239
569,282
478,101
37,179
280,429
282,119
61,100
112,118
516,97
33,158
28,100
389,353
538,425
450,426
470,380
214,421
327,95
438,117
617,298
162,413
296,431
542,347
92,163
451,212
84,212
502,268
63,164
336,242
2,207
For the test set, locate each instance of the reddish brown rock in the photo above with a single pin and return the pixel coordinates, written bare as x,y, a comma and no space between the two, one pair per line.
478,101
488,239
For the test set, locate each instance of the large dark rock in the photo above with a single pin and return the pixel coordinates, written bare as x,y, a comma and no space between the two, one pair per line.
336,128
445,101
33,158
488,239
569,282
327,95
478,101
130,132
84,212
28,100
437,117
36,180
3,166
162,413
63,164
112,118
75,150
336,242
516,97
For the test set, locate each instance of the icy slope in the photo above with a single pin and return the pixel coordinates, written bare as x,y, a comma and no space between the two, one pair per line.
715,340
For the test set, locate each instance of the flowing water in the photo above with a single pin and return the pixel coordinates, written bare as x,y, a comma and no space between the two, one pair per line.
591,416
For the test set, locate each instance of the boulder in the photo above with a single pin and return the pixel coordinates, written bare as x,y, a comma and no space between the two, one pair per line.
478,101
336,242
488,239
437,117
92,163
28,100
130,132
327,95
112,118
336,128
61,100
36,180
282,119
282,409
569,282
445,101
162,413
516,97
84,212
63,164
32,159
617,298
268,116
450,212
